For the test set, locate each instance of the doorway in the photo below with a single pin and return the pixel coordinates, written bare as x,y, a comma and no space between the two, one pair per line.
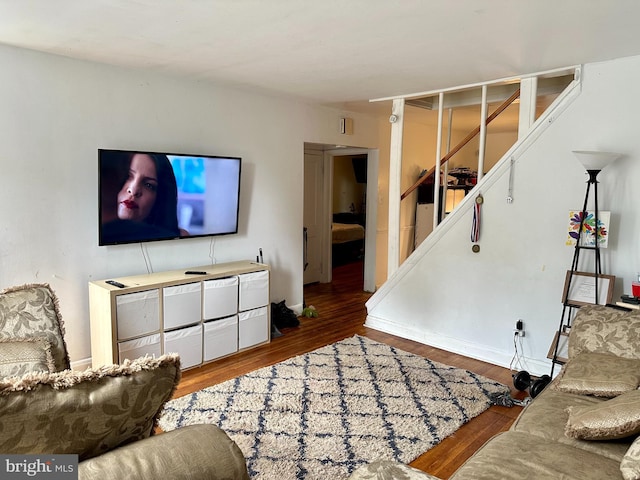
319,191
348,210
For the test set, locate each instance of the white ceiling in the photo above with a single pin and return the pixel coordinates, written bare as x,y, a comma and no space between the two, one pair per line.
334,52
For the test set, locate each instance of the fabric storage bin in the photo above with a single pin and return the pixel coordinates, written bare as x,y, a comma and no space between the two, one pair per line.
186,342
138,313
254,290
253,327
220,298
182,305
139,347
220,338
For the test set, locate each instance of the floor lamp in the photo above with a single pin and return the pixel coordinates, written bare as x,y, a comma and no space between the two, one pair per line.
594,162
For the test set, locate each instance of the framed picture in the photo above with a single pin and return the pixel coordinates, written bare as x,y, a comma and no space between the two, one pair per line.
587,236
563,347
582,290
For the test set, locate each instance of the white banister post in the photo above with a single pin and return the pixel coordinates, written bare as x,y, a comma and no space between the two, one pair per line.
528,100
483,132
436,182
395,183
445,183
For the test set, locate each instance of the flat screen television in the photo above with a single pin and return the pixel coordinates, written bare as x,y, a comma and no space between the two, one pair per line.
150,196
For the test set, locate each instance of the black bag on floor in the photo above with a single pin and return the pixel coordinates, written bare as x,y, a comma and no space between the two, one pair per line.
282,316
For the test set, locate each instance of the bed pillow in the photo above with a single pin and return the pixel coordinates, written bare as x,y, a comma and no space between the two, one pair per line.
85,413
608,420
599,374
23,355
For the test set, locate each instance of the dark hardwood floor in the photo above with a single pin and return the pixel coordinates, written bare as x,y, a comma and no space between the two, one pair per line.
342,313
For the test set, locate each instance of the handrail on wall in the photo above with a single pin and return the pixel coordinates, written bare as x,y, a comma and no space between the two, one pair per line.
464,141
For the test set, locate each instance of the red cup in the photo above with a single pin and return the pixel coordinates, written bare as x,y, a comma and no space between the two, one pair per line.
635,289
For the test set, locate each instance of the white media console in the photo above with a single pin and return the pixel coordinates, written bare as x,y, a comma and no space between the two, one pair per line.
217,312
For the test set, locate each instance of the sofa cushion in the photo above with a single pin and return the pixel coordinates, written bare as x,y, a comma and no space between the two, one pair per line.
599,374
32,310
200,451
630,465
86,413
546,417
517,455
387,469
24,355
601,329
615,418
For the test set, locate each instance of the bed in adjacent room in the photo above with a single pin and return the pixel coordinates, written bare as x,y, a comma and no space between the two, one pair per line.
347,242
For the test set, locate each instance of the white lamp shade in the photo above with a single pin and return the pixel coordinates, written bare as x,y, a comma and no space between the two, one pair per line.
596,160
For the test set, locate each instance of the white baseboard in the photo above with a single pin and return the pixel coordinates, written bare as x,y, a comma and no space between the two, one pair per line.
81,365
450,344
296,308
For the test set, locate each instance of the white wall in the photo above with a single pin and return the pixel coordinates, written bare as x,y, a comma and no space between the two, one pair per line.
347,192
55,113
469,303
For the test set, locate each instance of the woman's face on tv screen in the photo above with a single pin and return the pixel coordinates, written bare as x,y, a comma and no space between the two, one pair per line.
138,194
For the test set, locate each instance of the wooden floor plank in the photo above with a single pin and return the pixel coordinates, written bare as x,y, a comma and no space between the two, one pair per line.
342,313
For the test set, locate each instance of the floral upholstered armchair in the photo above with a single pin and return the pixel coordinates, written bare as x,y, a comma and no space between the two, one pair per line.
107,416
31,332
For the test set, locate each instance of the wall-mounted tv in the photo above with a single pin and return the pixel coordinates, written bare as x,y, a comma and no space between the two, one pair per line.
149,196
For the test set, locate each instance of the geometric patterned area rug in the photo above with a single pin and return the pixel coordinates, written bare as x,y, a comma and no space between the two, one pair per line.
322,414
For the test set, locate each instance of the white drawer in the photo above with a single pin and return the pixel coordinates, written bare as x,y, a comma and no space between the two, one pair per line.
220,298
138,313
182,305
139,347
186,342
254,290
220,338
253,327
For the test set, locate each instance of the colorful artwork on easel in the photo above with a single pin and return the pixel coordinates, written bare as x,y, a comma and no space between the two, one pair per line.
588,234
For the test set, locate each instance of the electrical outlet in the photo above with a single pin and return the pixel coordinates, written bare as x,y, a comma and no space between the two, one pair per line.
519,330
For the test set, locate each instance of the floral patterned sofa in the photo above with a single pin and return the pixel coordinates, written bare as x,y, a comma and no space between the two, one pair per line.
583,426
107,416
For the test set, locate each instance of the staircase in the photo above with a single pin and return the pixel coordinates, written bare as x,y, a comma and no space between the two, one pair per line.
531,93
438,286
